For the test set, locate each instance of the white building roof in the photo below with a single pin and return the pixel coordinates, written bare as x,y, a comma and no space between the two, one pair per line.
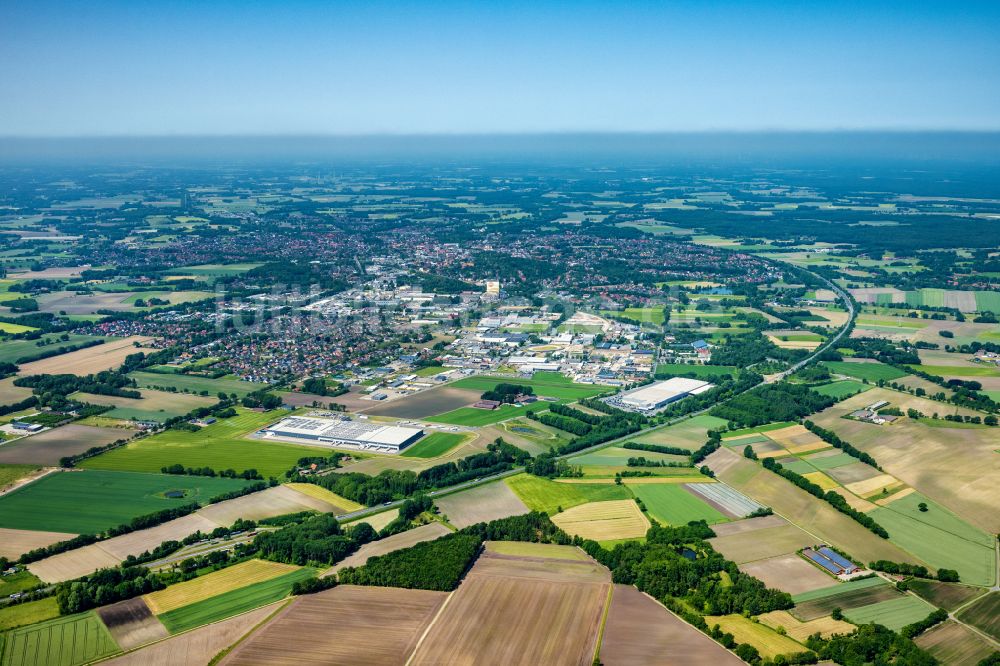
347,430
660,392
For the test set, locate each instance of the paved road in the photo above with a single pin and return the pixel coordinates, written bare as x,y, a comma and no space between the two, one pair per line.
841,294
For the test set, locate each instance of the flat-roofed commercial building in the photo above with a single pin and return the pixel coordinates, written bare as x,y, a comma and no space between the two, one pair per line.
336,432
654,396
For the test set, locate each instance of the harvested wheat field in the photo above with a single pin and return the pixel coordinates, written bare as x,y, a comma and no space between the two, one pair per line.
800,631
345,625
274,501
395,542
138,542
46,448
215,583
199,646
788,573
604,521
499,616
322,499
131,623
378,521
108,356
749,545
481,504
14,543
641,632
73,564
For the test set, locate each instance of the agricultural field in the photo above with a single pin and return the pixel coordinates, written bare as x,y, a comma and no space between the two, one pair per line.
614,456
854,594
74,303
788,573
20,615
545,384
194,384
800,631
767,641
475,417
798,506
48,447
954,644
543,550
872,371
698,370
384,625
759,538
220,446
328,499
108,356
841,389
152,406
893,613
641,632
216,583
552,497
532,436
199,646
948,596
9,474
434,445
390,544
480,504
689,434
10,394
673,504
604,521
551,614
91,501
131,623
719,496
232,602
970,490
984,614
11,351
66,641
424,404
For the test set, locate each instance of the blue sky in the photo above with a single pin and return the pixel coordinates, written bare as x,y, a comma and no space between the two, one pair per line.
295,67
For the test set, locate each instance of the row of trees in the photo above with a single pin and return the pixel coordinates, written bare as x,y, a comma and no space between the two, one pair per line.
772,402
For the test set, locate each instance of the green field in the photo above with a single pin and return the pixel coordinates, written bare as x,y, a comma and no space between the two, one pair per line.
434,445
618,457
767,427
474,417
988,301
870,371
91,501
66,641
11,473
642,315
838,589
12,350
18,582
948,596
546,384
213,270
939,537
829,462
894,613
689,434
219,446
549,496
984,613
959,370
233,602
20,615
703,371
841,389
193,383
672,504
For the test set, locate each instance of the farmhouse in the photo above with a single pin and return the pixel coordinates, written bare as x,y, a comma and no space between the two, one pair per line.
657,395
369,436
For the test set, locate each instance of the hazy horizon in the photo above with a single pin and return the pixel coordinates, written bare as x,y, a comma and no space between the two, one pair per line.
116,68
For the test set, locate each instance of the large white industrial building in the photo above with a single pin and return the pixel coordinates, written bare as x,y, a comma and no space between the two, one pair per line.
654,396
343,432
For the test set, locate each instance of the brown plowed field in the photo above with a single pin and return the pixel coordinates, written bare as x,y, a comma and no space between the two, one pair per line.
138,542
788,573
196,647
132,624
345,625
759,544
274,501
481,504
425,403
641,632
499,615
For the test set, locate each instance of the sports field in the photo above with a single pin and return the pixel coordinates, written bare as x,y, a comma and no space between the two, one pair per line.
193,383
219,446
870,371
894,613
66,641
232,602
434,445
672,504
91,501
551,497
